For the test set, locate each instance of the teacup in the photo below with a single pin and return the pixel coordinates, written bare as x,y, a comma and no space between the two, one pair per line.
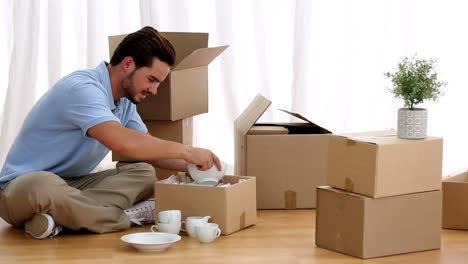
169,216
173,228
192,221
207,232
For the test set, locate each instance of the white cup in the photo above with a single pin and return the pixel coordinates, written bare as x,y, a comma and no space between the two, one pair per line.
191,221
169,216
207,232
173,228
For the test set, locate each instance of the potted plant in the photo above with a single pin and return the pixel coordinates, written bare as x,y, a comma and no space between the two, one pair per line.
414,81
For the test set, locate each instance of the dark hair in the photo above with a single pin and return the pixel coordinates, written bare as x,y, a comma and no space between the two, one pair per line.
143,45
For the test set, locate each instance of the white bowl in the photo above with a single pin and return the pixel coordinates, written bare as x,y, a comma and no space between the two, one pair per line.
151,241
210,176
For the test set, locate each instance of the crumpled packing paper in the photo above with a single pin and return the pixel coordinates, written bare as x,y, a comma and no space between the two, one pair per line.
185,180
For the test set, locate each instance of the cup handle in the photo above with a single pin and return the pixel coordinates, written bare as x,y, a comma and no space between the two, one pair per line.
218,232
181,228
154,228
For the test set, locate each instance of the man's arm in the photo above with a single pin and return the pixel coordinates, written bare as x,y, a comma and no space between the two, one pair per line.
141,146
173,164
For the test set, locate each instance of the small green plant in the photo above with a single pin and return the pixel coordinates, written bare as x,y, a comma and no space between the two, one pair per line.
415,81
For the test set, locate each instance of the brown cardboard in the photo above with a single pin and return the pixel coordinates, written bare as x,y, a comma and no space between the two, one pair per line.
379,164
455,202
184,93
367,228
268,130
288,167
232,208
178,131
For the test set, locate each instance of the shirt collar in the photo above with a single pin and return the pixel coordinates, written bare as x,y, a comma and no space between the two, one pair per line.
104,77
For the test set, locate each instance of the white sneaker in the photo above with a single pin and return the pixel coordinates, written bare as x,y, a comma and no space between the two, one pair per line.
42,226
142,212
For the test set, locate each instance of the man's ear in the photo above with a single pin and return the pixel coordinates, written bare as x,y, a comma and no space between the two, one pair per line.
128,64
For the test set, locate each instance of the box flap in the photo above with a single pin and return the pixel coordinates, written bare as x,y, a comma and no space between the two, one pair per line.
251,114
305,119
114,41
370,133
460,178
242,124
342,192
385,137
351,165
199,57
395,140
186,42
268,130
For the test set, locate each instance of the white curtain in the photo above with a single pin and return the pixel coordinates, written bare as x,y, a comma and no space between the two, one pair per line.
322,58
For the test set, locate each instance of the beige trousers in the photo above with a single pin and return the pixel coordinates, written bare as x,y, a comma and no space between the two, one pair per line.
94,202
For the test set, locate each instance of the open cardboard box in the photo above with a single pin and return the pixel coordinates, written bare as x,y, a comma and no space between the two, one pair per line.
184,93
364,227
379,164
232,208
455,202
289,160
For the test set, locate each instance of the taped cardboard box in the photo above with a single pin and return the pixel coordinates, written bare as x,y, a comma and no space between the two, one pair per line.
184,93
178,131
364,227
379,164
232,208
455,202
289,160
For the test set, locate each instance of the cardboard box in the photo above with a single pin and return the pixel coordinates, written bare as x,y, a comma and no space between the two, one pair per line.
184,93
366,228
289,161
161,174
379,164
232,208
455,202
179,131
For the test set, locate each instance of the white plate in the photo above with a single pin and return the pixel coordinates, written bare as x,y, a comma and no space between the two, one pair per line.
151,241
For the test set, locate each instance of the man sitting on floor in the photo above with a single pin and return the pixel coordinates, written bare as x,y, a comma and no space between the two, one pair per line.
45,182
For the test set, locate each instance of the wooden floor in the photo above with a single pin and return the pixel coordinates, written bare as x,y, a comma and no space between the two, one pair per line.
279,237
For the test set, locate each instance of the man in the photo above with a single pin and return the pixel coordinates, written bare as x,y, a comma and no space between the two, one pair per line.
45,182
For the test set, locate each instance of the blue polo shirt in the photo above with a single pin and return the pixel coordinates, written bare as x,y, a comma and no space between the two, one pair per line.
54,134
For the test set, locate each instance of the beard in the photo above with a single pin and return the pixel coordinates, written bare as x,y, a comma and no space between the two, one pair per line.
128,87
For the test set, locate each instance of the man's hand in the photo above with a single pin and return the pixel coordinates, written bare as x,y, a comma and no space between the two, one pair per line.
203,158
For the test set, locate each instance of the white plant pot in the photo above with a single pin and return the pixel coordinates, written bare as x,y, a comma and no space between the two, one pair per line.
412,124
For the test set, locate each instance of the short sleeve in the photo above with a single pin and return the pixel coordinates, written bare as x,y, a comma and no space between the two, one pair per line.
88,105
135,122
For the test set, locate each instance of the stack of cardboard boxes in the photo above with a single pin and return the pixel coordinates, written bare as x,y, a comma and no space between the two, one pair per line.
169,116
383,197
384,194
183,94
